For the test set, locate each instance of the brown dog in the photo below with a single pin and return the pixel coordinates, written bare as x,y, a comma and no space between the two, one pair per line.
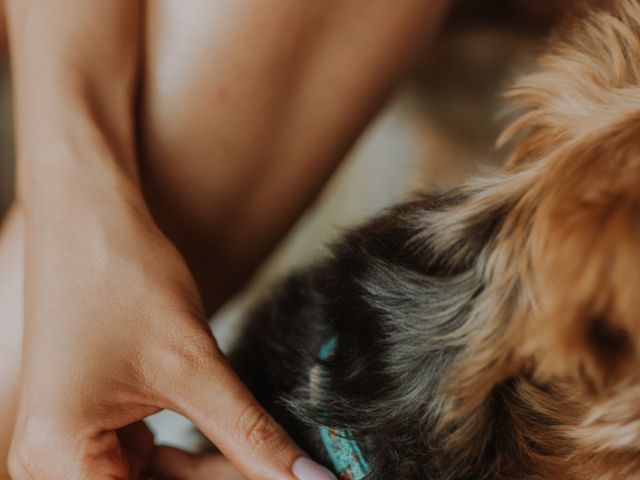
491,331
567,259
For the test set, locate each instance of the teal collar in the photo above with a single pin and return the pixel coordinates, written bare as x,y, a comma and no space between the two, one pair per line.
343,450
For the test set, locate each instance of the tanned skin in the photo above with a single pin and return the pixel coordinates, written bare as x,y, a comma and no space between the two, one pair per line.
262,105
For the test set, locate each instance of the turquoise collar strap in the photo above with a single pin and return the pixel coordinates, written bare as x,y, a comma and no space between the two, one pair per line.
343,450
345,454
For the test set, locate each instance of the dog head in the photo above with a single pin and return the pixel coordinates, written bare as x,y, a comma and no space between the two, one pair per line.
560,301
580,244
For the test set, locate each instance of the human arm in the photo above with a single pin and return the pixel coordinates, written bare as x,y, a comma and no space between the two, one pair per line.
114,329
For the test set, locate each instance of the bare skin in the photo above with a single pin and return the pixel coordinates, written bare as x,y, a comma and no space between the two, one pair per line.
265,100
261,105
11,273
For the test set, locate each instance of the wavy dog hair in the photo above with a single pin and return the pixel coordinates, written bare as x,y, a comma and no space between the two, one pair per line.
558,316
492,331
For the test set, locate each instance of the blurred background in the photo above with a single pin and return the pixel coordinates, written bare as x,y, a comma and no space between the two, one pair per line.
6,142
437,129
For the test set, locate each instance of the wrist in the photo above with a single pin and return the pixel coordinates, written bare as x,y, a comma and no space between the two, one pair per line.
65,129
68,157
56,187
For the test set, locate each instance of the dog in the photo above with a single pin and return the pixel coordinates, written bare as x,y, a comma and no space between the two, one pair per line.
491,331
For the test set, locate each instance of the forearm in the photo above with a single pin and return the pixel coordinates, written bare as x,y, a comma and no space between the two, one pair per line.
75,68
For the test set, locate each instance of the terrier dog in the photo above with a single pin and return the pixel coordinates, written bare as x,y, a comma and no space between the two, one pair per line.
491,331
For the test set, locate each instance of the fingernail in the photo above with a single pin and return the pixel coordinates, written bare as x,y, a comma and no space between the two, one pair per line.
305,469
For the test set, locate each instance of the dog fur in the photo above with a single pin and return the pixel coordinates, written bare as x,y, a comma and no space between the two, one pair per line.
491,331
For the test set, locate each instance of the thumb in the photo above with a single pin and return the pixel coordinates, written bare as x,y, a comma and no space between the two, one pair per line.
219,404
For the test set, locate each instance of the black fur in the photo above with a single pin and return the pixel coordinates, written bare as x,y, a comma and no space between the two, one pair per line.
397,311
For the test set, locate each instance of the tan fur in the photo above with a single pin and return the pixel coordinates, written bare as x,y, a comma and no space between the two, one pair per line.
559,318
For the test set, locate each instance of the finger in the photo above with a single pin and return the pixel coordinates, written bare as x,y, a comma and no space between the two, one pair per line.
97,456
171,462
136,441
224,410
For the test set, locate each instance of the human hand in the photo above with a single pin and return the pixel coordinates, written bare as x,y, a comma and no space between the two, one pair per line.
114,332
174,463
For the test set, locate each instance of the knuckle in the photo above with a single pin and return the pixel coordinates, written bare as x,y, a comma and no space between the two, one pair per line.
259,430
182,359
193,357
196,353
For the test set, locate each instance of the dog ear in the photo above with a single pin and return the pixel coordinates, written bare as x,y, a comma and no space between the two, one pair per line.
584,263
585,278
559,275
580,107
579,130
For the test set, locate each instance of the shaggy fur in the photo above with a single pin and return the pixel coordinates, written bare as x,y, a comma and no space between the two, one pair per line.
492,331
